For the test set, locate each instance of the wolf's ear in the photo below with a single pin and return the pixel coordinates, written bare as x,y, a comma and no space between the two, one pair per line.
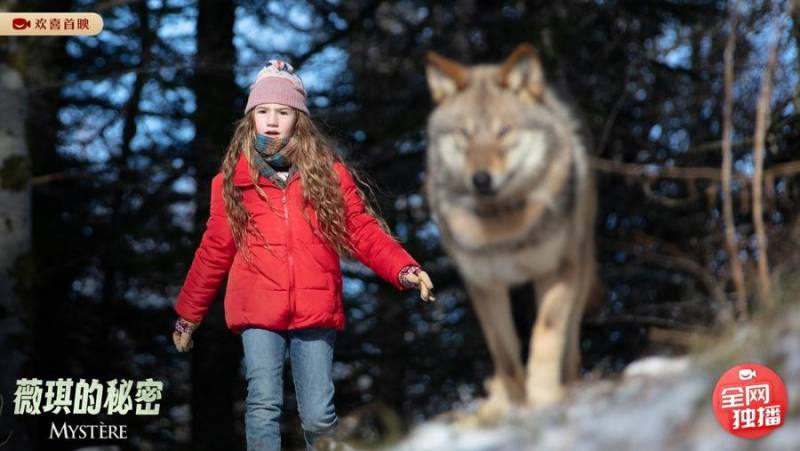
445,77
523,70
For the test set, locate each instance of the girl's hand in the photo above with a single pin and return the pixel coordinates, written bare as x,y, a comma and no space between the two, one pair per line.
182,336
422,281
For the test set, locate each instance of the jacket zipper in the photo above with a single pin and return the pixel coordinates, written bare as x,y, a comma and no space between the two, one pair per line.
289,251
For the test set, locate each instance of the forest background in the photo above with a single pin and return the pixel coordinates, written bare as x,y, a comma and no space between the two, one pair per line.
110,142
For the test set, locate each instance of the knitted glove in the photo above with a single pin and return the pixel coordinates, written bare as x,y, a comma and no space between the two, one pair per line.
412,276
182,336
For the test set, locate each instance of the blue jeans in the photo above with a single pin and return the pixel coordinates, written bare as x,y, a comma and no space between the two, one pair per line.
311,354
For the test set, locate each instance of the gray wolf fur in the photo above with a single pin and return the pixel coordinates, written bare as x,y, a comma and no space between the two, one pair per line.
510,188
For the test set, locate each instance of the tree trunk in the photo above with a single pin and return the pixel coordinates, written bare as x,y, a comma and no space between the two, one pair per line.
16,275
217,352
731,241
38,308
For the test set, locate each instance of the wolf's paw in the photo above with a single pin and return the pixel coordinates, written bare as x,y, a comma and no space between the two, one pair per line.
490,412
538,396
493,410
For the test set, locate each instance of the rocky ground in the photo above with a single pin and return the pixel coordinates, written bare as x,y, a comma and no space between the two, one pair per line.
658,403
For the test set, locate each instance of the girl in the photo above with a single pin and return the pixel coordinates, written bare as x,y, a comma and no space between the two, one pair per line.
284,207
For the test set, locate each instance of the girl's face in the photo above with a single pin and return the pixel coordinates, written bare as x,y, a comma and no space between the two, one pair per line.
275,120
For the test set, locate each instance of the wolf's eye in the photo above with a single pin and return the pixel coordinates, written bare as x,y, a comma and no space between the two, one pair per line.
503,130
463,131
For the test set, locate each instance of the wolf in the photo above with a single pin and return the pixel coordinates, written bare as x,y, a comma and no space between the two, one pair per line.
510,189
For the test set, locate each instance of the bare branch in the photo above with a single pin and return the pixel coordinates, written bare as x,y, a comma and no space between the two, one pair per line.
652,171
727,169
667,201
677,337
686,264
759,137
645,321
58,176
645,248
612,117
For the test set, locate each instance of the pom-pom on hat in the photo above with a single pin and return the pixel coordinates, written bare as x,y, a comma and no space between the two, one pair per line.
277,83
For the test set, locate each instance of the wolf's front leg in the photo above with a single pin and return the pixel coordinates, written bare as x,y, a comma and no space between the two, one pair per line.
554,357
506,386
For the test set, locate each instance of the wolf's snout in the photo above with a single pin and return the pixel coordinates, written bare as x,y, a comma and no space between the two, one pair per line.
482,181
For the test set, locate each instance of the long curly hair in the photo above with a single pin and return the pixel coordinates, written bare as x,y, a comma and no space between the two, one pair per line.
313,154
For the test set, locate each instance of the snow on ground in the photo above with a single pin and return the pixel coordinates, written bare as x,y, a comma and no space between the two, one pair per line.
658,403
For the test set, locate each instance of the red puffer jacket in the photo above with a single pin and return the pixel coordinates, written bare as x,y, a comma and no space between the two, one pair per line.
301,286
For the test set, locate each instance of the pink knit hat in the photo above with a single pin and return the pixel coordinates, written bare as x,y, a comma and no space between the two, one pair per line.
277,83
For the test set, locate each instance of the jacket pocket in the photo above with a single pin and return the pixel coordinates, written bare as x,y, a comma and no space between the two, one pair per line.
324,256
312,270
257,271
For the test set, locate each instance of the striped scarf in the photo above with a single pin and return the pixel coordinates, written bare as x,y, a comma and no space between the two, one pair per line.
270,158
